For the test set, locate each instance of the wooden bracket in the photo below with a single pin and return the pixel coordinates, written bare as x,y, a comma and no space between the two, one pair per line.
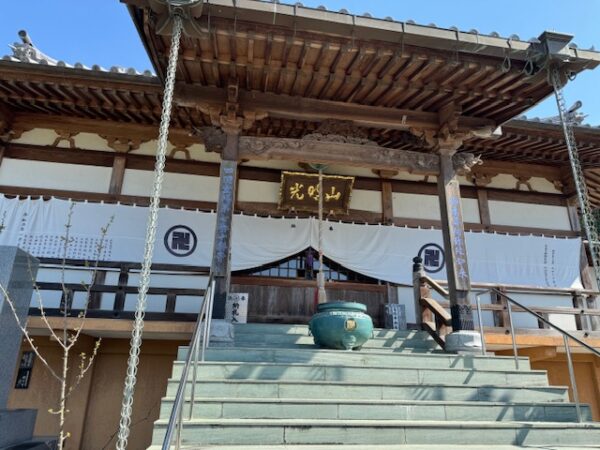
122,144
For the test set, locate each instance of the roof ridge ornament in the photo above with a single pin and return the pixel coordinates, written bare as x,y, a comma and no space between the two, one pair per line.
28,53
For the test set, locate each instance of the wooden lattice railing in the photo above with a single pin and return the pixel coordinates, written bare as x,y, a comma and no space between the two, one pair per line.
433,315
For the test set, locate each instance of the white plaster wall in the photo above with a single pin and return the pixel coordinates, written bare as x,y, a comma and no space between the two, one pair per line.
90,141
470,208
176,185
503,181
366,200
414,177
506,181
543,185
416,206
529,215
49,175
37,136
258,191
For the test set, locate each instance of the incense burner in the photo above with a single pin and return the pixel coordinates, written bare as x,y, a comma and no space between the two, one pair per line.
341,325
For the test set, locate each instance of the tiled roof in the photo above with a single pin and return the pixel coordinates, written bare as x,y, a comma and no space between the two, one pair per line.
367,15
26,52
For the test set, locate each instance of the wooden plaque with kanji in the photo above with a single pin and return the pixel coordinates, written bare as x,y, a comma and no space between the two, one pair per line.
300,192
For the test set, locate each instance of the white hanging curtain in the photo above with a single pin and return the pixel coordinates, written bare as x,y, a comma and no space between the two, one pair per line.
382,252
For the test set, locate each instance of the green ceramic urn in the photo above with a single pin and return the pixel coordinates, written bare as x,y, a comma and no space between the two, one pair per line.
341,325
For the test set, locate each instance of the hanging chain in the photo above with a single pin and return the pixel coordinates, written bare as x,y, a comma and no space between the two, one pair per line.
321,294
587,215
140,309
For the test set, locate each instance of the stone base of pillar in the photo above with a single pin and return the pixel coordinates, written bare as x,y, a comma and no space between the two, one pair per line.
221,333
463,341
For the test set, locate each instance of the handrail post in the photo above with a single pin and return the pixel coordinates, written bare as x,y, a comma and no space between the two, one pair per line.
480,319
195,349
418,286
512,333
572,377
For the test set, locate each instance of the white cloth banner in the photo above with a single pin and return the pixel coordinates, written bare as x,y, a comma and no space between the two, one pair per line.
186,237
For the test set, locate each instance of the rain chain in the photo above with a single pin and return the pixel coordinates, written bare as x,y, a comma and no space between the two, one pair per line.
590,227
140,309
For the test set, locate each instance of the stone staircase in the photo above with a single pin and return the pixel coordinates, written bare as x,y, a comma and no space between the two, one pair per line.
275,389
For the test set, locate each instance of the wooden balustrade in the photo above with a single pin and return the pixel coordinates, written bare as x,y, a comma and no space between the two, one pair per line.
119,290
434,317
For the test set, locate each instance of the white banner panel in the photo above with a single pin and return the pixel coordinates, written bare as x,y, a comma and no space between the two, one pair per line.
186,237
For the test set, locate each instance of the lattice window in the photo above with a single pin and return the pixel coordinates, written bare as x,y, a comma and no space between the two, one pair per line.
298,266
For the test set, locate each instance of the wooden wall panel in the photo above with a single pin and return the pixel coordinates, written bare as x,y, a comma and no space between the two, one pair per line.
295,303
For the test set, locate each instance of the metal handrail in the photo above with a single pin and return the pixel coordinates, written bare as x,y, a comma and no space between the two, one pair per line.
565,334
195,352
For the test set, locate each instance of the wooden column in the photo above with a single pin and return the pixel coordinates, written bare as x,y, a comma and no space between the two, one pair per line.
455,248
386,202
484,209
387,206
573,210
221,267
118,174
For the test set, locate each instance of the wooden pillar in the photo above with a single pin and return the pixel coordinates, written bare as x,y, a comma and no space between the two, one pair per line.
455,249
484,209
118,174
386,202
221,267
573,210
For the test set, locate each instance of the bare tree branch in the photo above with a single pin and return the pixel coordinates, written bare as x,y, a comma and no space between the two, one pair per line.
26,333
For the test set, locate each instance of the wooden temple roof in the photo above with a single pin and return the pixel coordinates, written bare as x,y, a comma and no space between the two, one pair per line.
34,93
301,61
292,50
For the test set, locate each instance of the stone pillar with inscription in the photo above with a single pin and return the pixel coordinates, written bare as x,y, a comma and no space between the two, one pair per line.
221,266
463,338
17,269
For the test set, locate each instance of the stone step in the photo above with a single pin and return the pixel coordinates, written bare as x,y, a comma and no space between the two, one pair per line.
396,347
359,358
302,330
301,339
383,375
291,340
373,447
369,390
305,431
285,408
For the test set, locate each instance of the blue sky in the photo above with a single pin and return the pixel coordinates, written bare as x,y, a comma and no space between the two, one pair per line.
101,31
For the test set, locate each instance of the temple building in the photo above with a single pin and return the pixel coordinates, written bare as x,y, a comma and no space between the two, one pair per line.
437,196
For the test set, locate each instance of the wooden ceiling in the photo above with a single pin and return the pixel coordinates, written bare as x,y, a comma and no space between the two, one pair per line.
31,90
267,51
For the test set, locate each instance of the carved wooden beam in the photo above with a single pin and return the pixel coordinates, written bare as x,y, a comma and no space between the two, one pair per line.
132,131
302,108
341,152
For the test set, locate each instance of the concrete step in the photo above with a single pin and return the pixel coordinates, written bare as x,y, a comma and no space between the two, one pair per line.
357,374
291,340
359,358
395,389
375,447
397,347
285,408
302,330
305,431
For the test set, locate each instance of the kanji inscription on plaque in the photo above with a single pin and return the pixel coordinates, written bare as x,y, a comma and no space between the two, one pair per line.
299,191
